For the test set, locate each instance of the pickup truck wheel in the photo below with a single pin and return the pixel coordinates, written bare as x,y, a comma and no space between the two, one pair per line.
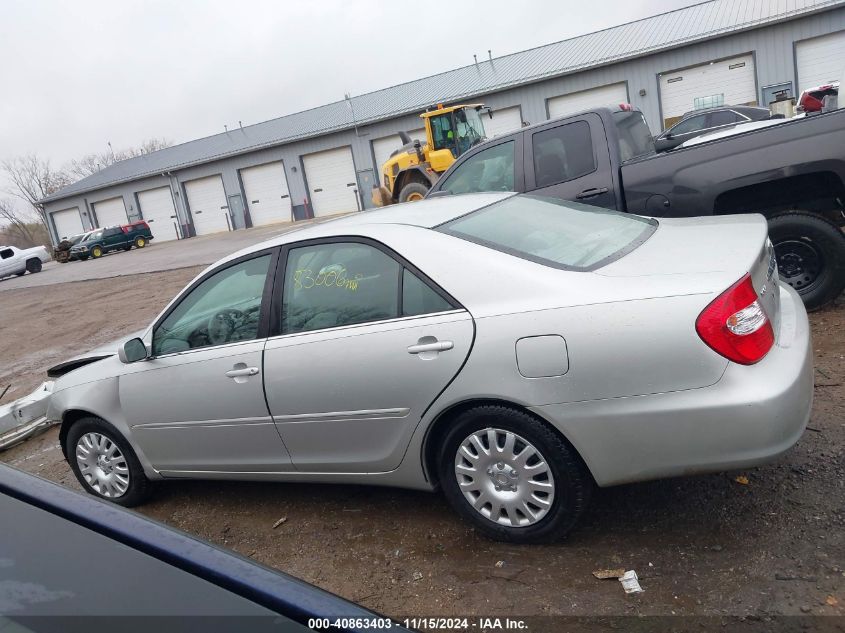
412,192
810,253
140,242
512,476
96,252
105,464
33,265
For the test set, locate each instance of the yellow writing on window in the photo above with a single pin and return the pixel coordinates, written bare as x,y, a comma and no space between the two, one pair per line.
334,276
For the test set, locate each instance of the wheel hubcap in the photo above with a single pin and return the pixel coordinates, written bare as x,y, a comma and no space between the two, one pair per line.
414,197
102,465
504,477
799,263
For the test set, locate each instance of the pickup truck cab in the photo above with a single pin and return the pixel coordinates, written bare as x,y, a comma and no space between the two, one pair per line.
112,238
15,261
793,173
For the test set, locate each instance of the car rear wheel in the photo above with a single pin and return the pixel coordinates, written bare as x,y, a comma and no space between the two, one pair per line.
140,242
810,253
512,476
33,265
96,252
105,464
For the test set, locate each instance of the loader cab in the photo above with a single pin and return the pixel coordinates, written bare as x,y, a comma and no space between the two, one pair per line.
456,129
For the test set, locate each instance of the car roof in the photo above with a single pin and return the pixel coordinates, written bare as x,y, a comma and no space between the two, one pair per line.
737,108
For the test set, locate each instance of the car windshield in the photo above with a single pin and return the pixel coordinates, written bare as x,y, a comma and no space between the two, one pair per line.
556,233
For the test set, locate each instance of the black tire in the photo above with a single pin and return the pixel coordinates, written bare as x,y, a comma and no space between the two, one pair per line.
97,252
21,274
139,487
414,191
140,241
572,482
128,247
810,252
33,265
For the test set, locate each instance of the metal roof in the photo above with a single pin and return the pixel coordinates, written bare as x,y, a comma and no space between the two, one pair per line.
634,39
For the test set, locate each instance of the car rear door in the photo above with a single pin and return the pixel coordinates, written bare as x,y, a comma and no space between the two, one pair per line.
365,344
570,160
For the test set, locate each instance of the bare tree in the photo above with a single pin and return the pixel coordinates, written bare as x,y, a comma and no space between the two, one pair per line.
92,163
20,229
33,179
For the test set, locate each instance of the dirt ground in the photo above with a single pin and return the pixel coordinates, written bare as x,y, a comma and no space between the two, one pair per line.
701,546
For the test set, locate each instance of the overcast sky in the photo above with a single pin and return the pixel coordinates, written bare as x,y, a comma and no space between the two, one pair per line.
76,75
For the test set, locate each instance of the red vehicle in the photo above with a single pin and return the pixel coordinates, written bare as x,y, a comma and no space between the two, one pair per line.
812,99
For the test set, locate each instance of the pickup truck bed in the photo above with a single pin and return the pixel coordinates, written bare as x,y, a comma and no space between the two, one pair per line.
792,173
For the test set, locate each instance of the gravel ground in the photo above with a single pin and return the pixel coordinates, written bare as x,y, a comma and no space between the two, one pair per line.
701,545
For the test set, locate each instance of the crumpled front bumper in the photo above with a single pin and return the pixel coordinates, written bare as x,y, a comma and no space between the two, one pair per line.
25,416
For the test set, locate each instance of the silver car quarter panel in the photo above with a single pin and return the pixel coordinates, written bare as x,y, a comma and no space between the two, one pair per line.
752,415
203,410
348,399
542,356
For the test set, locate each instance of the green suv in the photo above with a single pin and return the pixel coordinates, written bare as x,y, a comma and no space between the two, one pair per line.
113,238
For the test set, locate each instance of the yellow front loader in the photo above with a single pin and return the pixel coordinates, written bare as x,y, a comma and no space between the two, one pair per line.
413,168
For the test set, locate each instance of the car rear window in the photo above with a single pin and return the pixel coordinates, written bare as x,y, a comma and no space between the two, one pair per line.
556,233
635,137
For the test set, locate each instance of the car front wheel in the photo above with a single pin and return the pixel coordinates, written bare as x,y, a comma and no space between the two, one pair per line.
105,464
512,476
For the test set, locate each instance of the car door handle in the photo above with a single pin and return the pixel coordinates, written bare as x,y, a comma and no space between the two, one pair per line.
244,371
591,193
437,346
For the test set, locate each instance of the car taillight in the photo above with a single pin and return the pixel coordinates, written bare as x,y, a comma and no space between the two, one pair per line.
626,107
736,326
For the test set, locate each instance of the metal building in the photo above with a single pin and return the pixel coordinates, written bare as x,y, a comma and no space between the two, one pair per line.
326,160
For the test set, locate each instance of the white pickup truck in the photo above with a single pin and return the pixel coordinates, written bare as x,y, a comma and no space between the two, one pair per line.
14,261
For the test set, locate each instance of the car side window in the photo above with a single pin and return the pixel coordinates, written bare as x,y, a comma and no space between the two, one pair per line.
112,232
419,298
692,124
224,308
336,284
6,253
721,117
562,153
488,170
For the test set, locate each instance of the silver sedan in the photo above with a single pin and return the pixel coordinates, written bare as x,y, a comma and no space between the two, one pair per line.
512,350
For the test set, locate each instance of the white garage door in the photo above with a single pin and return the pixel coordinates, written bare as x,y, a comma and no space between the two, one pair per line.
614,94
331,181
267,195
820,60
207,202
68,222
110,212
503,121
384,147
730,82
158,210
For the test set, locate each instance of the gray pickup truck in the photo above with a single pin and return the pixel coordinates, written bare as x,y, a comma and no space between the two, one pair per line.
792,173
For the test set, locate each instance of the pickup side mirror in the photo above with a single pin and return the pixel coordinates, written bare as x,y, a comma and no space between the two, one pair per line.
132,351
668,136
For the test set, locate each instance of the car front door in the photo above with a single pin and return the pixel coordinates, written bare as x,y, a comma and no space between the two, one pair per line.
366,343
680,132
198,404
562,161
7,262
113,238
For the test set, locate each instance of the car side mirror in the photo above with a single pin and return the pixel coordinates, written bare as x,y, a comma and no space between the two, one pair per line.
132,351
669,136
